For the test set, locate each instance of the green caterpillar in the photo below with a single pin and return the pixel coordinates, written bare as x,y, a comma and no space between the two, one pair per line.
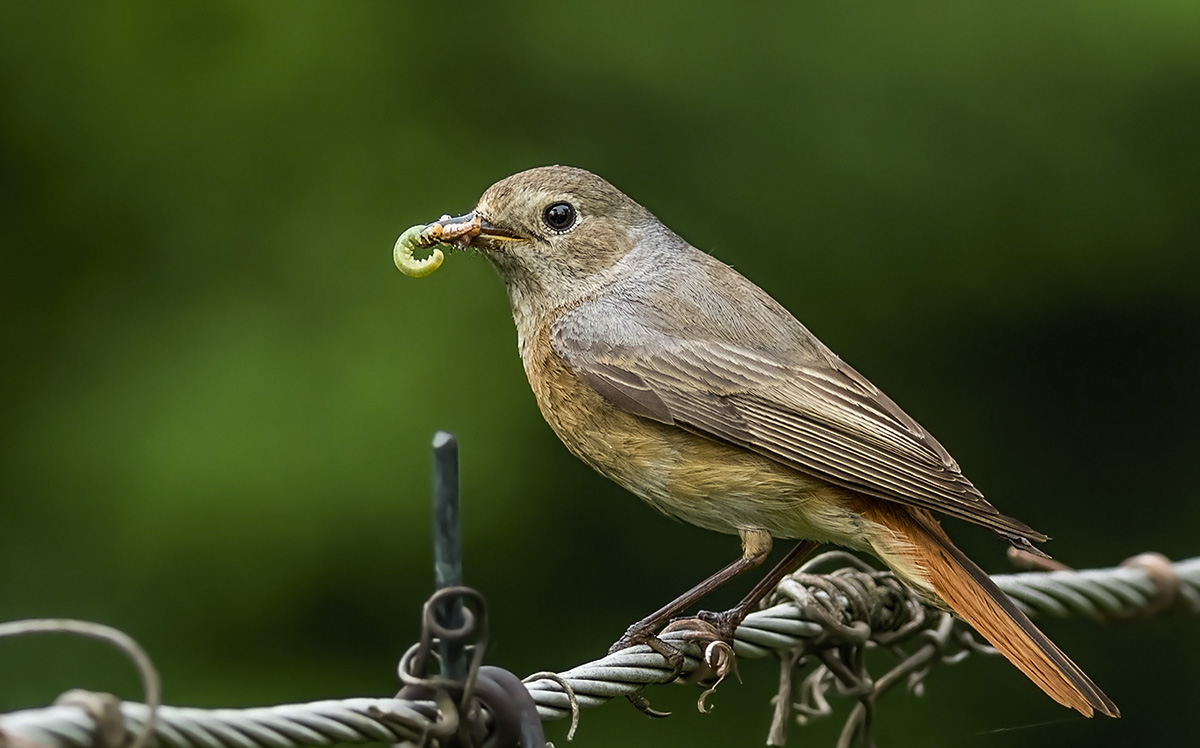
418,237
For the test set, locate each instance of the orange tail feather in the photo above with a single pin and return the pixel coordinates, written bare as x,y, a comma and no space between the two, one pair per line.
972,595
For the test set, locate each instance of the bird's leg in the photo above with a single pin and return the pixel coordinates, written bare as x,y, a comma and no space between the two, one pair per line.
756,544
727,621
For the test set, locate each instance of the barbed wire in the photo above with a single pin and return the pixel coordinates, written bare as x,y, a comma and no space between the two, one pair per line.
830,618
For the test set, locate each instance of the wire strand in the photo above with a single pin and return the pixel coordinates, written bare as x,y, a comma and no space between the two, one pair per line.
798,620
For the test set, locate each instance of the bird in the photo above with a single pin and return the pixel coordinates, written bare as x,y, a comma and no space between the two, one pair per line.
676,377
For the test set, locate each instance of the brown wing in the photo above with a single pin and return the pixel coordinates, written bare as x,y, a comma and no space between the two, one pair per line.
824,420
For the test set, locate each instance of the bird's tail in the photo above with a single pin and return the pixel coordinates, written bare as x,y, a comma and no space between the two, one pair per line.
929,560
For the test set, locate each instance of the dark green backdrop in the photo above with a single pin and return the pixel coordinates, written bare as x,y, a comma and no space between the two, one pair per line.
217,393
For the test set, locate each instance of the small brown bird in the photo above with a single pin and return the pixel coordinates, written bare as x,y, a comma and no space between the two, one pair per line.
670,373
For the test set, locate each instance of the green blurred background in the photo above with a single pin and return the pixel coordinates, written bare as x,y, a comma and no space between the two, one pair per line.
217,393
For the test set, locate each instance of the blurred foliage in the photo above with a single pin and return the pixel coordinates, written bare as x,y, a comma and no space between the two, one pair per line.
217,393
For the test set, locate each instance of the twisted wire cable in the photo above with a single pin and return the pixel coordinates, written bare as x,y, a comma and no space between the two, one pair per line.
803,616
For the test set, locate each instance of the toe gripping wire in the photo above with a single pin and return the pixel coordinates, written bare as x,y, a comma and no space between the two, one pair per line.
487,708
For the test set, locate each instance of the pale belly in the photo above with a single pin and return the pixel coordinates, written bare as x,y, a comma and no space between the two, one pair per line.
714,485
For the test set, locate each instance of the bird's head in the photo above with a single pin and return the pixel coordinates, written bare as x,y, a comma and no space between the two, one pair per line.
554,233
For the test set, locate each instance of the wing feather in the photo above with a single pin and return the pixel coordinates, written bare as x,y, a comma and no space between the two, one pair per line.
824,420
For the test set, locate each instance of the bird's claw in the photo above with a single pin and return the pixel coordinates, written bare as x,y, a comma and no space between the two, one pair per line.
638,634
713,632
722,625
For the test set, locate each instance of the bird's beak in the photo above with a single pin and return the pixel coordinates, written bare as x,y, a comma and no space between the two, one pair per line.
462,231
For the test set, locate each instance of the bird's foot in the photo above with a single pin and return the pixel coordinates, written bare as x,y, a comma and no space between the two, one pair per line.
722,624
713,632
640,633
644,633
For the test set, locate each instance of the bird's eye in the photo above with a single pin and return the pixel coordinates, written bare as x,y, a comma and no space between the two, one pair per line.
559,216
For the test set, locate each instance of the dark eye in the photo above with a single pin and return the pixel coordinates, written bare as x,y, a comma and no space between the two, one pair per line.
560,216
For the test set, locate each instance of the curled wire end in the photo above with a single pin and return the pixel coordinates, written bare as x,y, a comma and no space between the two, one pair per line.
718,657
572,699
402,255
